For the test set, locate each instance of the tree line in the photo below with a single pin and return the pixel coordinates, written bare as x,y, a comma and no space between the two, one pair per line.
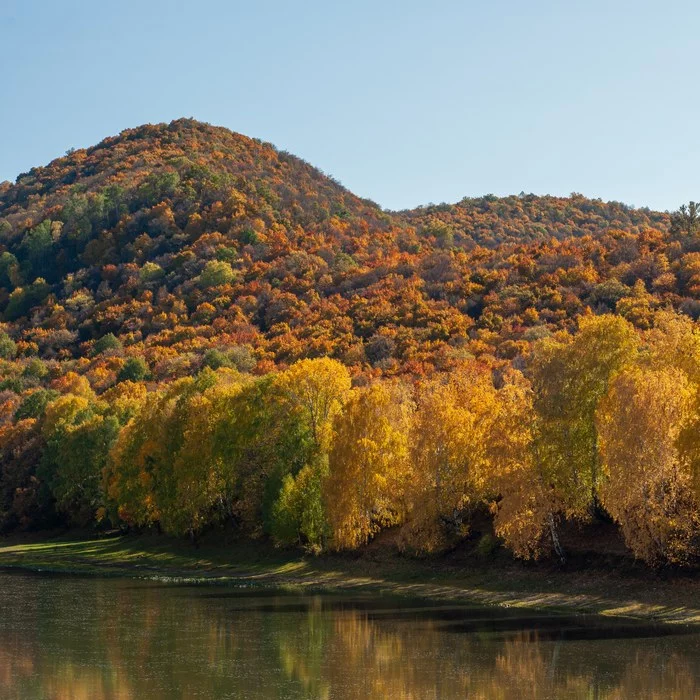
597,424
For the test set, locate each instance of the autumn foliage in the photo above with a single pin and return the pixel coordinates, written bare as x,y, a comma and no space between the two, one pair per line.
198,330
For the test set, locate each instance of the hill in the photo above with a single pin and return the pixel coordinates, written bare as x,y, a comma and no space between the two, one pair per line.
182,238
198,329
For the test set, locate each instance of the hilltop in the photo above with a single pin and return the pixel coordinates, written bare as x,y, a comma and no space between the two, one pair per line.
491,221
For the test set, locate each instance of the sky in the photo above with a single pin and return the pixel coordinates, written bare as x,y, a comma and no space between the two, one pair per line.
404,102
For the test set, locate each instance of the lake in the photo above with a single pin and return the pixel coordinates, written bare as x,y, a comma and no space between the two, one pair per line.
71,638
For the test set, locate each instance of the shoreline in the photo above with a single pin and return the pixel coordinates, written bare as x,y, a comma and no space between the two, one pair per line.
674,600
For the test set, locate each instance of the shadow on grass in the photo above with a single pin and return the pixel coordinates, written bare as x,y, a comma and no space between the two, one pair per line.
259,564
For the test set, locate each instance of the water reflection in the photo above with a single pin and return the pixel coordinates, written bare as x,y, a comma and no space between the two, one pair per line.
84,638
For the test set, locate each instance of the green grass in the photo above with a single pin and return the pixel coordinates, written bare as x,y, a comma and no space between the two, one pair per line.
499,581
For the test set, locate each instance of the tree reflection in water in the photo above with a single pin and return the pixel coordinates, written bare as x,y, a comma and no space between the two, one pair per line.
111,639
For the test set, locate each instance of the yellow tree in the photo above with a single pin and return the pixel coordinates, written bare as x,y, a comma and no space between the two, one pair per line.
449,455
133,461
368,464
674,342
166,466
196,472
124,400
523,503
317,389
648,489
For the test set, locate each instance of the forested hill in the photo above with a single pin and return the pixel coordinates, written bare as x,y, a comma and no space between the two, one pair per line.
181,238
197,329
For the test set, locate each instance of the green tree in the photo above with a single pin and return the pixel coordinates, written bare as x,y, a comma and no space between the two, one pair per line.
216,273
686,220
8,348
34,404
134,369
298,513
10,275
105,343
569,379
78,440
36,250
259,441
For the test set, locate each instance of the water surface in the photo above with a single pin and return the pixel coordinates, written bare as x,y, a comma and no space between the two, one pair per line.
67,637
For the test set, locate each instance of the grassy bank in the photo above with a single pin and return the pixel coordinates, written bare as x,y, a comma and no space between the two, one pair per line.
614,591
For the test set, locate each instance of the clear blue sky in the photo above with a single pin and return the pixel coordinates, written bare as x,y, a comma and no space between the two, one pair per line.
404,102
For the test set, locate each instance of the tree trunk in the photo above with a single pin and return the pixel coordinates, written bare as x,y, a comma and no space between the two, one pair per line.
555,540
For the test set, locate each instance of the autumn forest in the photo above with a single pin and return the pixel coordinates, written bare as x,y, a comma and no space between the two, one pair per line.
200,331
